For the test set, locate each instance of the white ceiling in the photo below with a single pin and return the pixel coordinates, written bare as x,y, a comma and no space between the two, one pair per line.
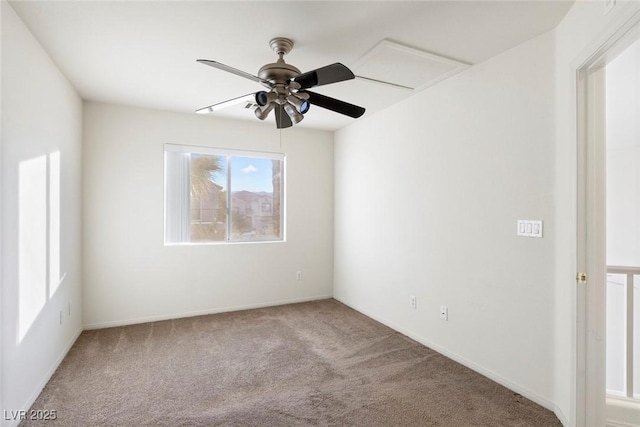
144,53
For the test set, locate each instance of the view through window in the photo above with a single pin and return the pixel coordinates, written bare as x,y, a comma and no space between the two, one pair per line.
217,195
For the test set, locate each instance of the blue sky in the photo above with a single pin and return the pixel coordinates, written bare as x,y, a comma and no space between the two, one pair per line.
251,174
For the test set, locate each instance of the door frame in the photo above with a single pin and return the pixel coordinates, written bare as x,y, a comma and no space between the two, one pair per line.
590,379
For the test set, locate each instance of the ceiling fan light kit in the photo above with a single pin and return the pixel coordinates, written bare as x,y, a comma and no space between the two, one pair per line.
302,105
288,95
263,111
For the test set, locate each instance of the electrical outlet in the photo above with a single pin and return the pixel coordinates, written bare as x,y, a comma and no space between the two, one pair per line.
444,312
61,317
413,301
298,275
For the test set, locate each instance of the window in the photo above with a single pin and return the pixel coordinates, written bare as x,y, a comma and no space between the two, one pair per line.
218,195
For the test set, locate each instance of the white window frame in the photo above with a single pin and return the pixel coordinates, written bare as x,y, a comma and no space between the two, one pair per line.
179,187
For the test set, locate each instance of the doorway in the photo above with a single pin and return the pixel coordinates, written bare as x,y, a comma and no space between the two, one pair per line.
622,142
608,137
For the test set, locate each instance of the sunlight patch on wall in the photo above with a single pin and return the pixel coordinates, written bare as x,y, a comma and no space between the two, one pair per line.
32,241
54,222
38,236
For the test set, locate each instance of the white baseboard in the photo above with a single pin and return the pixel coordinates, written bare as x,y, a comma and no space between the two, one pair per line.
31,399
622,412
115,323
561,416
612,423
463,361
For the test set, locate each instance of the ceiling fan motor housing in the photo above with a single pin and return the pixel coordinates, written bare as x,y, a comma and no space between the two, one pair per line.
279,72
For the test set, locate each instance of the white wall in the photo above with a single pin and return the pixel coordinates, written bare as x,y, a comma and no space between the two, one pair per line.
623,158
41,115
444,177
129,276
623,211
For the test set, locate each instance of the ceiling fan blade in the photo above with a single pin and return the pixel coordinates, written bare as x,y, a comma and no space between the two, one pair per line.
282,118
323,76
232,70
215,107
335,105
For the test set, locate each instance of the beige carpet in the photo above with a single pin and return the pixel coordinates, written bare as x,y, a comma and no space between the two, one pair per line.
317,363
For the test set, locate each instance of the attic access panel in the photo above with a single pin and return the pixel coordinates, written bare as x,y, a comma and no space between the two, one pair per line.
402,65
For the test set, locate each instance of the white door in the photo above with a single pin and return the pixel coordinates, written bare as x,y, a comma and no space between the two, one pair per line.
591,216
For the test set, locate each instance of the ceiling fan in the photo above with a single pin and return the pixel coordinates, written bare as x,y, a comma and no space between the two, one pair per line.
288,95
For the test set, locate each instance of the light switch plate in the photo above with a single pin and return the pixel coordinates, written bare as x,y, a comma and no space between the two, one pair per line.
529,228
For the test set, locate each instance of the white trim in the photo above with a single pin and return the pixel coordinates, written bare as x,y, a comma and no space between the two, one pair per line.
561,416
613,423
533,396
622,412
223,242
623,400
596,52
181,315
223,151
177,197
36,392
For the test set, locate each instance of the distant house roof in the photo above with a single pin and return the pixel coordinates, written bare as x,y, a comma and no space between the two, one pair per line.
248,196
